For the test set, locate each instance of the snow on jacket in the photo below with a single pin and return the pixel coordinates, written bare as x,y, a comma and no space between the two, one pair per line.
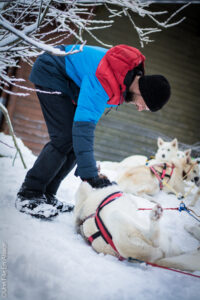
94,78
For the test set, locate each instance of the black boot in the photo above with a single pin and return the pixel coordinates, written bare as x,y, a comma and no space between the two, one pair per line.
34,203
61,206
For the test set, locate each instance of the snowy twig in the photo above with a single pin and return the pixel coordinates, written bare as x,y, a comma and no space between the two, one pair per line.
28,28
6,115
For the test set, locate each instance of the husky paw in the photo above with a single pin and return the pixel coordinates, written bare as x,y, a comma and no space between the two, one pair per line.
156,212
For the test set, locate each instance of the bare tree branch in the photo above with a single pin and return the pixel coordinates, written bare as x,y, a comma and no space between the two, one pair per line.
27,28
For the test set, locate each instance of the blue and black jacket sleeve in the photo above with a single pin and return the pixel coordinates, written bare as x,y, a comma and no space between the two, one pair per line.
90,107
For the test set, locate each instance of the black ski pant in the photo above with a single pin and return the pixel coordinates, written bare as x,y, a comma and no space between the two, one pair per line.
57,158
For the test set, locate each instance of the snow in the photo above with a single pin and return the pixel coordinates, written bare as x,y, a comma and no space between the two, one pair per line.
49,260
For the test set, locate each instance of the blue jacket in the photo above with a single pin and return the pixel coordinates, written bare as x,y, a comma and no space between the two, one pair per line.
92,98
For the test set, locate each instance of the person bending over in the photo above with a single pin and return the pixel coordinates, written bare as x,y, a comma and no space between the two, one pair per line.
88,82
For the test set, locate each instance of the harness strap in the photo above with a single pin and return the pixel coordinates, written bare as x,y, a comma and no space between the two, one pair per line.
103,231
164,171
108,237
163,174
157,176
164,208
94,236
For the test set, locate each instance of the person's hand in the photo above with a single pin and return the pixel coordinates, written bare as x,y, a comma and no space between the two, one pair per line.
99,181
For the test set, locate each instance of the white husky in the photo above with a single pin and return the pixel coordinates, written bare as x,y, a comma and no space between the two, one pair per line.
166,152
141,180
133,234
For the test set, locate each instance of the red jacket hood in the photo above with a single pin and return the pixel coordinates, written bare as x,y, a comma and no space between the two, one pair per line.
113,68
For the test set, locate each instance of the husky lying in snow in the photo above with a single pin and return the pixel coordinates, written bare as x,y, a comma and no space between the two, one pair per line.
131,232
143,180
130,235
166,152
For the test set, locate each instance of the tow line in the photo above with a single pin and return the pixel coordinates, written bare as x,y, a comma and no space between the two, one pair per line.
182,207
131,259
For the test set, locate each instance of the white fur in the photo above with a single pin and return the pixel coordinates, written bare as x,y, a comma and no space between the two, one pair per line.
193,230
195,198
188,261
133,160
180,154
140,180
133,234
167,151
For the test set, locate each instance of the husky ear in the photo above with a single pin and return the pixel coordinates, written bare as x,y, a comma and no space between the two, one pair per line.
160,142
174,143
187,155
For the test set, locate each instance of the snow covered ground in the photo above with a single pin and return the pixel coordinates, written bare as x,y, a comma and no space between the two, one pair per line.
48,260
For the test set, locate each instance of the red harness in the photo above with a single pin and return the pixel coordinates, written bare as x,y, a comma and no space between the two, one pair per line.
102,230
160,176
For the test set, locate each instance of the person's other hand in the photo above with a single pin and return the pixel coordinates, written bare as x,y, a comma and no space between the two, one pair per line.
99,181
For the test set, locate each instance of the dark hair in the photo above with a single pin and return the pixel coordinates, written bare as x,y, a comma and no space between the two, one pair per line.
129,96
130,76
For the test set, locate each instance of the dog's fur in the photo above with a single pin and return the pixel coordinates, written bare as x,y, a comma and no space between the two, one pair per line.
140,180
167,151
194,230
180,154
196,180
133,234
133,160
195,198
189,261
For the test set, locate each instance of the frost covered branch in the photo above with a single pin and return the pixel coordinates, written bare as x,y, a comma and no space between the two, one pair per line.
119,8
27,28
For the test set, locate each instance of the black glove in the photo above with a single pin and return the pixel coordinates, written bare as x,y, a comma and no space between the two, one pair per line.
99,181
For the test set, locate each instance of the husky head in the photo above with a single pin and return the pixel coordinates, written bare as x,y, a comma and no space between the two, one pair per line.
167,151
191,168
180,154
